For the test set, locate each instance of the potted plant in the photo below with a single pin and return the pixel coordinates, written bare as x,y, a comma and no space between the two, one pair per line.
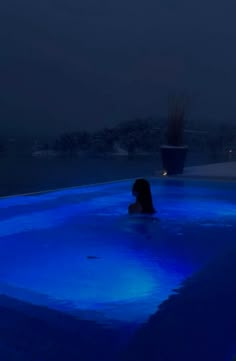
174,152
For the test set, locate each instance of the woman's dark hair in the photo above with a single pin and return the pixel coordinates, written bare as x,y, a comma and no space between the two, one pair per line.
142,190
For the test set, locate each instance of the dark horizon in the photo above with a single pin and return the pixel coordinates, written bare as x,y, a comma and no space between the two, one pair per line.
79,65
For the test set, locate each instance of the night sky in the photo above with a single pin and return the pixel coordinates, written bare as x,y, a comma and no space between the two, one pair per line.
71,64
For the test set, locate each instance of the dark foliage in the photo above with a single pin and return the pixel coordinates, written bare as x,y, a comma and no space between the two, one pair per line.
176,121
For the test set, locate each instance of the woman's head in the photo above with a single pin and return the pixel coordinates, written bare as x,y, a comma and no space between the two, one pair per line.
142,191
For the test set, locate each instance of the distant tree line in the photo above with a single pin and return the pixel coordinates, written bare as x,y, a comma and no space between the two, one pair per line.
139,135
223,137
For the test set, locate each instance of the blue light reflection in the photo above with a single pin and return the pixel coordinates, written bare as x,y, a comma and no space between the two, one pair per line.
76,250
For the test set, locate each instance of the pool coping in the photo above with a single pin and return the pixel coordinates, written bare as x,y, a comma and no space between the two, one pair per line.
182,177
65,188
197,178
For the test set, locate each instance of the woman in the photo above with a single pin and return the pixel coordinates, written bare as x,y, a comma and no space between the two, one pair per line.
143,204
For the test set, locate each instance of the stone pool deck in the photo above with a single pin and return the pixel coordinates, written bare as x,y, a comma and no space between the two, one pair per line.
220,171
217,171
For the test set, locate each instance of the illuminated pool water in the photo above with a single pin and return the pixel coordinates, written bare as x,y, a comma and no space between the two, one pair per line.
76,250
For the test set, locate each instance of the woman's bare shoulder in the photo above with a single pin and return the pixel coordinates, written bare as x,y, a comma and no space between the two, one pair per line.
134,208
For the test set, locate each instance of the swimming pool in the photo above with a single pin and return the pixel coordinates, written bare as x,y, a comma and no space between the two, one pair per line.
77,251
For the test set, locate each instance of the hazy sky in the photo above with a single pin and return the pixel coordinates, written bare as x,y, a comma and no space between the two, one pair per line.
70,64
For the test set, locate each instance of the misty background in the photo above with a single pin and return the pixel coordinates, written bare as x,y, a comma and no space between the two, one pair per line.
73,66
86,64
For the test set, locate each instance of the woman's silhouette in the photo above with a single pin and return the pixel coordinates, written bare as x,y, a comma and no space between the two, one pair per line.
143,204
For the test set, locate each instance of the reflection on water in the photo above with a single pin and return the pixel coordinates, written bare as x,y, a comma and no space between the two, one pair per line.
85,256
79,252
198,322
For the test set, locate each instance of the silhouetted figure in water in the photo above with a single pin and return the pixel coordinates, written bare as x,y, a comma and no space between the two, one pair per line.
143,204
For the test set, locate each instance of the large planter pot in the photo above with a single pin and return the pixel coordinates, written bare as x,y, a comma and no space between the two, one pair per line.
173,159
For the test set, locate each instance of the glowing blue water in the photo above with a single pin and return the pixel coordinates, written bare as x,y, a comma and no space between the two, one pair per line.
78,251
